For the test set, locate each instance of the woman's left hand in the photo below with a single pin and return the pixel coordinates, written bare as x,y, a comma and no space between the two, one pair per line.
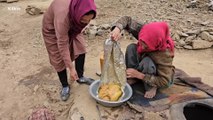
133,73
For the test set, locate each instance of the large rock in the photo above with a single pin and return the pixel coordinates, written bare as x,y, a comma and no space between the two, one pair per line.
206,36
201,44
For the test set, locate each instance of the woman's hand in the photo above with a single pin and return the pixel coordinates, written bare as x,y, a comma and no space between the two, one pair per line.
133,73
73,74
115,34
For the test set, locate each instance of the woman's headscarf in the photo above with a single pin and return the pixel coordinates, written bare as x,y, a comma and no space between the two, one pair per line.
79,8
156,36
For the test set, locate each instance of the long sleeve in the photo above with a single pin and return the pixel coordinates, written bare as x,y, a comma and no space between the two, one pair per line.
129,24
61,24
165,69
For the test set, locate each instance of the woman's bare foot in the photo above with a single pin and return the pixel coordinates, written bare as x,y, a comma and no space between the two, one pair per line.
131,81
150,93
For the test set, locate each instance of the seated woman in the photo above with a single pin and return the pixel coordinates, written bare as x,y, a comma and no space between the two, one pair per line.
150,60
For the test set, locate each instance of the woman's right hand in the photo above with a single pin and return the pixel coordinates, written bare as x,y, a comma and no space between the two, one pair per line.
115,34
73,74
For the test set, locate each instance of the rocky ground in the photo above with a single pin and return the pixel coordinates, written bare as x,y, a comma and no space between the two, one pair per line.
28,81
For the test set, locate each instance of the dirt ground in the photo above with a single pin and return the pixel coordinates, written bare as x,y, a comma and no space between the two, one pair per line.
27,80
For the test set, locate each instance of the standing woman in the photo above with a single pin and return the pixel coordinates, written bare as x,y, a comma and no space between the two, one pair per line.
61,28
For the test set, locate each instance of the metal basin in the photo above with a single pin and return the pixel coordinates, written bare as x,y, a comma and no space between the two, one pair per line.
93,89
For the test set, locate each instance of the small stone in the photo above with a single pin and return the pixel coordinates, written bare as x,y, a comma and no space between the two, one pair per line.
36,88
181,34
176,37
105,26
182,43
99,32
32,10
128,6
211,5
201,44
211,33
2,30
210,38
207,29
178,47
178,11
192,32
92,23
92,33
192,4
98,73
188,47
204,23
206,36
46,103
184,35
189,39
